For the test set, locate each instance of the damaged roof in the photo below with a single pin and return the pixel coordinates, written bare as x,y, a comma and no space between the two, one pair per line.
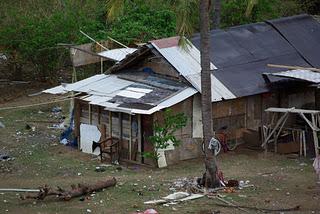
144,95
239,55
187,63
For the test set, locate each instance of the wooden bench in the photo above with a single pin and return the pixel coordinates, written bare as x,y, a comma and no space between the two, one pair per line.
108,146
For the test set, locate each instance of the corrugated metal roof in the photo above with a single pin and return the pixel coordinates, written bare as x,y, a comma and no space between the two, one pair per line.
117,54
106,85
116,94
242,53
303,33
299,74
187,63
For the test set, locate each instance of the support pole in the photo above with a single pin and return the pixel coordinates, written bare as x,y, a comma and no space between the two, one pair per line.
315,136
130,137
90,117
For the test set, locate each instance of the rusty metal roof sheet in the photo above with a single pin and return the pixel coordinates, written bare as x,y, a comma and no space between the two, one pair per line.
117,94
187,63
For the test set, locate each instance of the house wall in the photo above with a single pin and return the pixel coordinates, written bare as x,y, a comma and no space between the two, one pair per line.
230,113
190,147
160,66
237,114
246,113
110,124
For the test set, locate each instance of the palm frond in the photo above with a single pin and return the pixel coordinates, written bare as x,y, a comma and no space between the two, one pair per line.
114,8
184,43
250,6
185,19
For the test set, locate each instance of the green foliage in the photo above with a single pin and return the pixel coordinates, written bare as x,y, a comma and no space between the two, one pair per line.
31,30
142,23
310,6
164,132
233,11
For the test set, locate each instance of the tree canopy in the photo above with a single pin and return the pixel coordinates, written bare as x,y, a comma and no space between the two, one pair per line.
31,29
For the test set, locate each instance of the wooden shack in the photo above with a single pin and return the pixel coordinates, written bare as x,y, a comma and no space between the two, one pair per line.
159,75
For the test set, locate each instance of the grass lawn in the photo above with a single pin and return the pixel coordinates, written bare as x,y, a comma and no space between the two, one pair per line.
279,182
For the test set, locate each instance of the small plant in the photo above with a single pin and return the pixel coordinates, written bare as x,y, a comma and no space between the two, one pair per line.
164,132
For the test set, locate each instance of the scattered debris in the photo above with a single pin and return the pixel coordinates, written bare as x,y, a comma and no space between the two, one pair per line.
176,196
18,190
156,202
3,57
5,157
56,109
100,169
191,197
76,191
57,126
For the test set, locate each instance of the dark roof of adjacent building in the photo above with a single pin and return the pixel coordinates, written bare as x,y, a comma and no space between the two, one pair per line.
242,53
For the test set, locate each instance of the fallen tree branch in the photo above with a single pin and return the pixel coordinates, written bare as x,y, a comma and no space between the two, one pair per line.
76,191
261,209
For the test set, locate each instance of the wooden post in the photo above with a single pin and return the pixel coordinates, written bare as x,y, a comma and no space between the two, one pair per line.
101,62
77,115
99,115
139,138
74,74
315,136
299,134
90,117
130,137
275,142
110,124
120,134
120,125
304,144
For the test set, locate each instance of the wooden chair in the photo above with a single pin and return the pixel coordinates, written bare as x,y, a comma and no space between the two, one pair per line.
108,146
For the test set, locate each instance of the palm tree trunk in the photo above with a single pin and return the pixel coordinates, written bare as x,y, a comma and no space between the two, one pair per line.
210,161
217,14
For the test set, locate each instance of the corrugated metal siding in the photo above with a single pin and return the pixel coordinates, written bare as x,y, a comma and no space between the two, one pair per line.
305,75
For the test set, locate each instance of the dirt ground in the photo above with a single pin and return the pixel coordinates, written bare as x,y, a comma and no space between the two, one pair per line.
279,181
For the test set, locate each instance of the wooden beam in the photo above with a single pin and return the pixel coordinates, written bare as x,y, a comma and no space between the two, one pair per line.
275,128
110,124
90,116
130,137
293,67
139,138
315,137
99,115
312,124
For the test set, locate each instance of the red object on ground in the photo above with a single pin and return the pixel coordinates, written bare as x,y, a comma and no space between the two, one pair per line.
150,211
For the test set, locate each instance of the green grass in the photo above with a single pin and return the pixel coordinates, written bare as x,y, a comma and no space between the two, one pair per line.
39,161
